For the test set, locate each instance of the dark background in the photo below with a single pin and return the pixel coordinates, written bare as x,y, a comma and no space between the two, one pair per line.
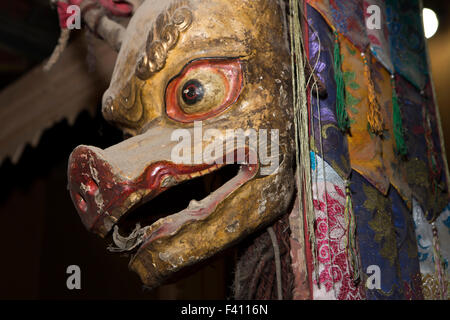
41,234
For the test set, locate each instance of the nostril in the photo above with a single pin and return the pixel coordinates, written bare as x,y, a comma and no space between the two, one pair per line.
81,203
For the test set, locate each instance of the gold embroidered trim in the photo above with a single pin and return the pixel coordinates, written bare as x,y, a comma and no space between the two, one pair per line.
431,289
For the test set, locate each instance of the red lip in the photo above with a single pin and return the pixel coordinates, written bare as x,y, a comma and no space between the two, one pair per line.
102,197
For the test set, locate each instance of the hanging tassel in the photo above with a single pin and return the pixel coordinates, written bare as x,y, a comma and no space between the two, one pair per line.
302,136
401,148
439,264
341,112
374,116
351,248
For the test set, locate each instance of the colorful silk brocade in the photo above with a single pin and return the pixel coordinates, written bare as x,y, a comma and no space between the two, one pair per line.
385,68
329,142
407,40
334,278
430,191
386,240
346,17
365,148
378,34
435,282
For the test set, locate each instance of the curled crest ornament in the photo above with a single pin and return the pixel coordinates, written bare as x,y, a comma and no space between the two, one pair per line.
161,39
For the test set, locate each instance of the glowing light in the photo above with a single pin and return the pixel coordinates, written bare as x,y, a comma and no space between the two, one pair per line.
430,22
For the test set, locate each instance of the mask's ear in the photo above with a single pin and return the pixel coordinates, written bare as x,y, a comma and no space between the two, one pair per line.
95,15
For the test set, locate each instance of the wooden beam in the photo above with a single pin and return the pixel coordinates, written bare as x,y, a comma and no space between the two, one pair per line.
40,99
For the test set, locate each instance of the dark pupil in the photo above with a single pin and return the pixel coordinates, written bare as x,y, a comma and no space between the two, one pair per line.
193,92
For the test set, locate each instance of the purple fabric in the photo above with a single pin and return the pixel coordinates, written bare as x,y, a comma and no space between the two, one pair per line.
334,143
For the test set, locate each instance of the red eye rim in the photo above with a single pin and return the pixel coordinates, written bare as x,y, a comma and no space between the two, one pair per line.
231,69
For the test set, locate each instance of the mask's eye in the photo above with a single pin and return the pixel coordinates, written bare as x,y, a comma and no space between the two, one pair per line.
204,89
192,93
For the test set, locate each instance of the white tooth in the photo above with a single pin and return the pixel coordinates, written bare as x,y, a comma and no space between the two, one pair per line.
195,174
168,182
129,243
194,204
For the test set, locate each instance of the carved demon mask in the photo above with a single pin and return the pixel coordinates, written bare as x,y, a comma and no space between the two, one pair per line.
190,73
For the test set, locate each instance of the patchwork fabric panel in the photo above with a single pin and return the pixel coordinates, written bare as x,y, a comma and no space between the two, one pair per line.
346,17
398,175
409,269
393,164
329,141
434,265
365,148
377,32
423,150
333,279
407,40
386,241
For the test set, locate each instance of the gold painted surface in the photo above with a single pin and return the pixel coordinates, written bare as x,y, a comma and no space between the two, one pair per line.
253,32
207,32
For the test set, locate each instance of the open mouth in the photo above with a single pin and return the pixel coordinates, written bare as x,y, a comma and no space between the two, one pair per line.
183,202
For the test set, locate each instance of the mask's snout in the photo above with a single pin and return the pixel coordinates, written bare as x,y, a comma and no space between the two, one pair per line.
93,187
